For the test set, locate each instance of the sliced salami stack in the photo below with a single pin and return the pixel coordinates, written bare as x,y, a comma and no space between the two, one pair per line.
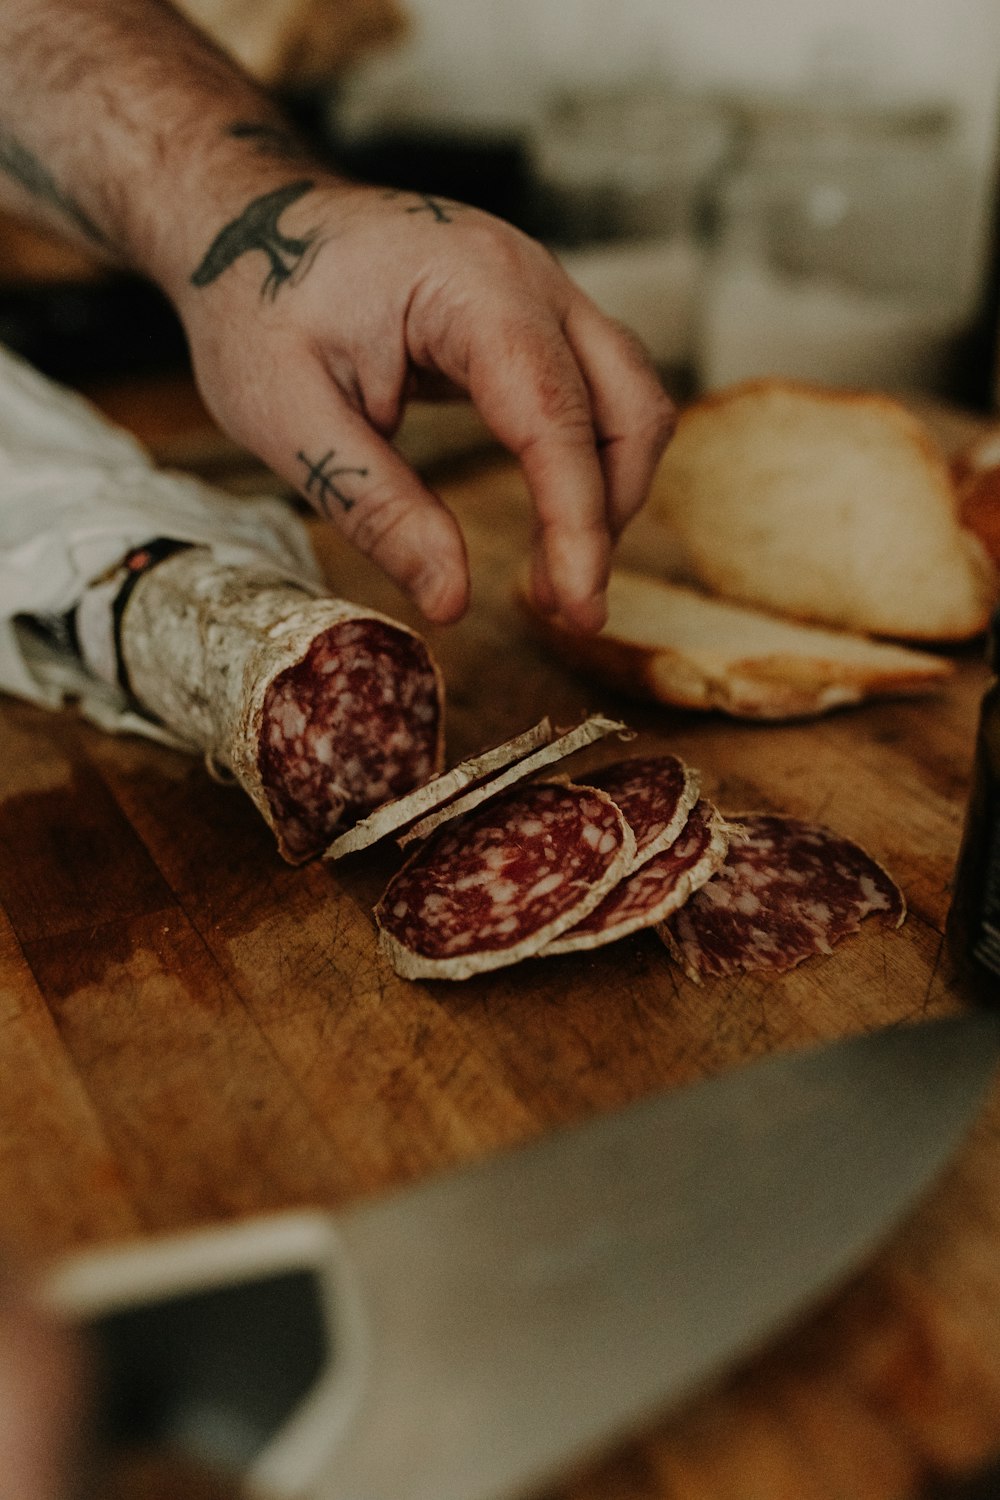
548,868
321,710
659,886
788,890
498,885
656,793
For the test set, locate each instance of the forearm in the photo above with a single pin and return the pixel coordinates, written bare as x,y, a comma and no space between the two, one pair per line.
125,129
313,307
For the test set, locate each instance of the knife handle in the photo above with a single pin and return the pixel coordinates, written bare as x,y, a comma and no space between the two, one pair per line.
241,1348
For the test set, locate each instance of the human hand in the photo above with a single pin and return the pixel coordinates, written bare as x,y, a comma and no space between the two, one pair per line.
41,1398
320,307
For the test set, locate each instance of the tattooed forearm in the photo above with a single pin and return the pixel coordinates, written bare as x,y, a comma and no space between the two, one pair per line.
256,228
443,210
19,163
321,481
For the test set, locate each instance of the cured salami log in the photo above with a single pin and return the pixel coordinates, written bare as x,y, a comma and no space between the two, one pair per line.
788,890
592,729
659,885
655,792
320,710
499,885
392,816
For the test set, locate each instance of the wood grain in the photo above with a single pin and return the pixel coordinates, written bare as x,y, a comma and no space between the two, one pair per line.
191,1031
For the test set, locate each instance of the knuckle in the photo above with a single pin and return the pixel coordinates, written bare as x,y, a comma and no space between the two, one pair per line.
634,351
375,522
499,245
373,519
562,407
558,392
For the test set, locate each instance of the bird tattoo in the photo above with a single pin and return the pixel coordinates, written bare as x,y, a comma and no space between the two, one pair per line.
256,228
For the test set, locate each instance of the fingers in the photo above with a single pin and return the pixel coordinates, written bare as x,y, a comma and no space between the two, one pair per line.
633,416
358,481
576,399
528,387
41,1401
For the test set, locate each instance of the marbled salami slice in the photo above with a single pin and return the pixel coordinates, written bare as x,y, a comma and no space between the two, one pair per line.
787,890
585,733
498,885
656,888
655,792
321,710
440,790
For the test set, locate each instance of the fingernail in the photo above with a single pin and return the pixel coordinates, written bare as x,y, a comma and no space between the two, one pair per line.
591,615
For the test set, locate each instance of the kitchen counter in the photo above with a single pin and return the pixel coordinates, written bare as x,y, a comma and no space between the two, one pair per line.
194,1032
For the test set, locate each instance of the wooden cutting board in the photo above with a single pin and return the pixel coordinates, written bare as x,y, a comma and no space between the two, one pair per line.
193,1032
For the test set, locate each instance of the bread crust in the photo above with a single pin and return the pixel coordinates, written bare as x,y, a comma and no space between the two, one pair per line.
976,473
772,686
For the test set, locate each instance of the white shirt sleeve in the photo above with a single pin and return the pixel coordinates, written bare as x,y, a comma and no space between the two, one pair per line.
76,494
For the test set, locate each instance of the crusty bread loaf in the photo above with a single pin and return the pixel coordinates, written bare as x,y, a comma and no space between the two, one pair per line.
823,505
976,473
678,646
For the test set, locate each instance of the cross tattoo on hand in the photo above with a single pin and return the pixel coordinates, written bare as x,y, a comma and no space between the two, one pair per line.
320,483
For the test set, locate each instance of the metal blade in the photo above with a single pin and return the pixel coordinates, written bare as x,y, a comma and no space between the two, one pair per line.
522,1313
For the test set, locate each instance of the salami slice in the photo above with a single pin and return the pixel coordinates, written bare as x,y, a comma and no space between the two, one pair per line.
321,710
586,733
656,888
498,885
655,792
787,890
392,816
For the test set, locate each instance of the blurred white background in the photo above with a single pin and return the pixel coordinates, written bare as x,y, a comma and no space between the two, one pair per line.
810,196
496,60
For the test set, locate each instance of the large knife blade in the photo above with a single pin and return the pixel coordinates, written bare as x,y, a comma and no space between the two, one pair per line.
468,1338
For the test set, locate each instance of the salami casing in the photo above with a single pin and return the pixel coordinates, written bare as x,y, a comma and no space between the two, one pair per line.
585,733
497,885
434,794
655,792
788,890
655,888
320,709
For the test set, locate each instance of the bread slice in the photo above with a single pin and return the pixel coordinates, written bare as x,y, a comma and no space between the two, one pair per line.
824,505
671,643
